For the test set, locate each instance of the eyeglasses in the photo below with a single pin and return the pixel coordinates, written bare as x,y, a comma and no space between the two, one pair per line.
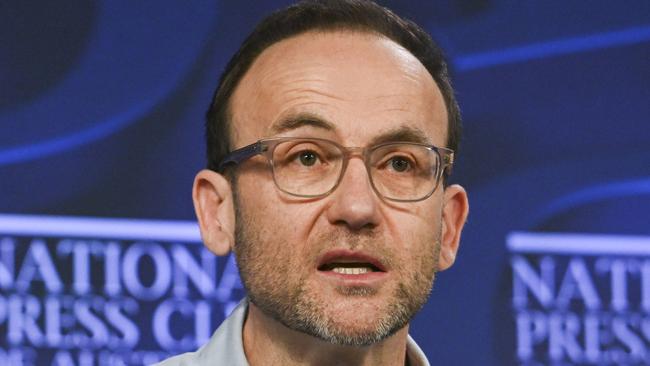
312,167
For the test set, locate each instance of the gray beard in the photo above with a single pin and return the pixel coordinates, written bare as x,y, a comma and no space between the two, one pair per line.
294,308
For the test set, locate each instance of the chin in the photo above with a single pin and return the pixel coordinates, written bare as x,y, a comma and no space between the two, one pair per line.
359,322
356,334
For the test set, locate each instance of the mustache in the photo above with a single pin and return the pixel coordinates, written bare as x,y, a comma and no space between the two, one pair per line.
368,241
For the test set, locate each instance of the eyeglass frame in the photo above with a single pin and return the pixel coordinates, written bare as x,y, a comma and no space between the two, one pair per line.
266,147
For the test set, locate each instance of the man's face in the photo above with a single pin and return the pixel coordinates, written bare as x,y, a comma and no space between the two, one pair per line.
352,88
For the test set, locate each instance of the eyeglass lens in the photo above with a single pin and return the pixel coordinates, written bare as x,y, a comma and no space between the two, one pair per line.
399,171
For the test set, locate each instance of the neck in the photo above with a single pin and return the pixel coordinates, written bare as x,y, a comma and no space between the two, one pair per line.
268,342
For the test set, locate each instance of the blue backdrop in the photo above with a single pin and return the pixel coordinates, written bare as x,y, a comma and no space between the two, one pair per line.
101,115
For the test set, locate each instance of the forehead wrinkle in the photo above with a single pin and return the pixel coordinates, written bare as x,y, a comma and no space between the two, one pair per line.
395,109
289,73
309,78
290,91
298,93
300,108
394,96
271,72
294,121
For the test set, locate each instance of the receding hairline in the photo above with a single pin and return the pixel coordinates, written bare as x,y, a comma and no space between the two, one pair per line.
343,29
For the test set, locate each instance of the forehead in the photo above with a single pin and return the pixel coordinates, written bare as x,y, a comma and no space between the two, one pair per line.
360,84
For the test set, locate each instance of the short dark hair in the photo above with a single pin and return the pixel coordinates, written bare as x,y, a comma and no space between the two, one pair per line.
325,15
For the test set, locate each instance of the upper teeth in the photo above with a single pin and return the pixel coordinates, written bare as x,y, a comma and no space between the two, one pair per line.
351,271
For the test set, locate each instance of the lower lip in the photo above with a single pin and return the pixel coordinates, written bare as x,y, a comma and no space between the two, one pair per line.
364,279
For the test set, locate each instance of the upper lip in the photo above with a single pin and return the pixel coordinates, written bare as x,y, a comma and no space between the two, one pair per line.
350,256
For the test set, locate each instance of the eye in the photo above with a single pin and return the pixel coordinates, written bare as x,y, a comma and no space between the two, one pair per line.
399,164
307,157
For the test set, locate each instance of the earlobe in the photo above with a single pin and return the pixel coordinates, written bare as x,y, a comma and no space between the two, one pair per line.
214,207
454,214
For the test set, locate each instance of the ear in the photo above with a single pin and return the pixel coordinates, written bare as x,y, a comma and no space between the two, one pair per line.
454,214
214,207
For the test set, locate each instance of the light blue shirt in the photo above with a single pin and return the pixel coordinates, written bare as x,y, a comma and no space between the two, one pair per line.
226,347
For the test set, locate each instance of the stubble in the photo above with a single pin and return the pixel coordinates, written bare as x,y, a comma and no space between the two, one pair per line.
272,285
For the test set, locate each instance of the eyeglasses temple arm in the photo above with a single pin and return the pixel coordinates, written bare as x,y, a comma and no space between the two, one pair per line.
448,162
239,155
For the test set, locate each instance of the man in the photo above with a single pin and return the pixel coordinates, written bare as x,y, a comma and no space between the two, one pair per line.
330,139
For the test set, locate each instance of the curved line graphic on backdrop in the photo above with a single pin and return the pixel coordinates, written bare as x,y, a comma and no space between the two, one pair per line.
555,47
620,189
151,75
97,132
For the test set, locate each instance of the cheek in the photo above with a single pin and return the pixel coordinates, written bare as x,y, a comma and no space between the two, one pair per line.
414,224
257,213
416,235
273,212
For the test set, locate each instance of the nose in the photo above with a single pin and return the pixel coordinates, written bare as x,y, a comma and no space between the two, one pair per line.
354,202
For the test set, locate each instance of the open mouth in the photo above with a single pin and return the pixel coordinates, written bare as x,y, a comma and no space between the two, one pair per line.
349,268
349,263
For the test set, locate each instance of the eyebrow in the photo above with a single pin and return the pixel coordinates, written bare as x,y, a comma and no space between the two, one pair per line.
402,134
303,119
